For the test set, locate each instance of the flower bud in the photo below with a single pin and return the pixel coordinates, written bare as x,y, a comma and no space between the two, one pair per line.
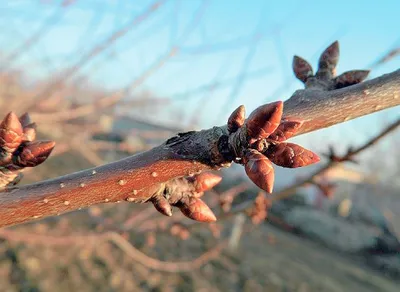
10,132
259,169
25,120
161,204
350,78
264,120
196,209
236,119
29,132
286,129
329,59
302,69
34,153
206,181
291,155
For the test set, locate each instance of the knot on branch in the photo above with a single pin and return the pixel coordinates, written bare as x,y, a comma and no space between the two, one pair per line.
259,141
18,148
206,143
325,78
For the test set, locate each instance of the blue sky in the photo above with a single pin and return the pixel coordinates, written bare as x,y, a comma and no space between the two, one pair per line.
219,40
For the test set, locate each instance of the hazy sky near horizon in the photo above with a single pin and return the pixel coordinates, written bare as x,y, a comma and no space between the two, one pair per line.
219,41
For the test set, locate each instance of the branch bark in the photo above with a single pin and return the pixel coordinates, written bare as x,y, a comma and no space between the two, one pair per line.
135,178
321,109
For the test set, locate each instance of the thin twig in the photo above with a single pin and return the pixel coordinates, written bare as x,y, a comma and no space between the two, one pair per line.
121,243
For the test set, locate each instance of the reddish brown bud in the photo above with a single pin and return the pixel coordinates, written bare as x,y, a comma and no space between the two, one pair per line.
264,120
34,153
259,169
291,155
196,209
25,119
206,181
350,78
10,132
286,129
302,69
161,204
29,132
236,119
329,59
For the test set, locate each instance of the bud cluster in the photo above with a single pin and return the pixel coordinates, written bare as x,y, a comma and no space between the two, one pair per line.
184,193
325,77
257,143
18,148
264,134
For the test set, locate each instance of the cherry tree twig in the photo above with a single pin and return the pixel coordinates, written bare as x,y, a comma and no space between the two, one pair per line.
326,101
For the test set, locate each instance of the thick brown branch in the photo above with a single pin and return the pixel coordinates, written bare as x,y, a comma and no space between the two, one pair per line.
135,178
127,179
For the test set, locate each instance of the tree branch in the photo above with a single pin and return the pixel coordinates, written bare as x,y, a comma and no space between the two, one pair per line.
138,178
120,242
320,109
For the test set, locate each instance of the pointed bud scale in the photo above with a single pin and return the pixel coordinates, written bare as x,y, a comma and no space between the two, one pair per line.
286,130
196,209
259,169
291,155
350,78
34,153
25,119
264,120
236,119
206,181
161,204
302,69
10,132
329,59
29,132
